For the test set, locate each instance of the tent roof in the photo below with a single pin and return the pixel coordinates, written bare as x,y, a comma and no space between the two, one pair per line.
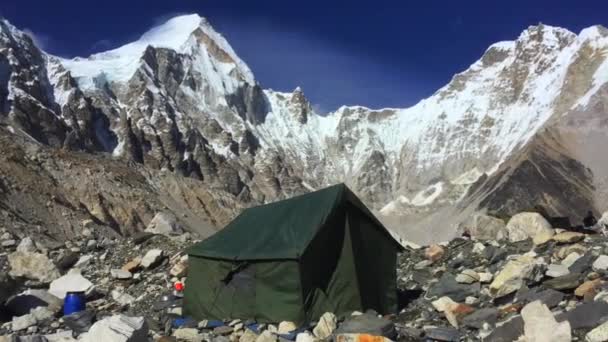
279,230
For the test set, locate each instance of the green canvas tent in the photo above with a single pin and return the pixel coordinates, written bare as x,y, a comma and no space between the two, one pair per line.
294,260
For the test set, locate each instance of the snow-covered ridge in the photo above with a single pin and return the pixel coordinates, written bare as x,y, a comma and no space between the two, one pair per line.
118,65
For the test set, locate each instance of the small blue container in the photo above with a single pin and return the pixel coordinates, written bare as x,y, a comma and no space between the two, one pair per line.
74,302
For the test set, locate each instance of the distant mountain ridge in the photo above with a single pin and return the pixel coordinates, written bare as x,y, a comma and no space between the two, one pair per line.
180,99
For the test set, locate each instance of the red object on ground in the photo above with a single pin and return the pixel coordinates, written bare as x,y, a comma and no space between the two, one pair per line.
179,286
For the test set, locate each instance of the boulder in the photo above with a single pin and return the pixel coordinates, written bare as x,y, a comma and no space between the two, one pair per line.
603,221
555,270
27,245
164,224
122,298
71,282
118,328
442,303
467,277
286,327
599,334
601,263
41,314
564,251
566,282
582,264
250,336
588,288
8,243
120,274
266,336
60,336
302,337
484,227
508,331
541,326
434,253
529,225
551,298
152,258
443,334
23,322
515,274
83,261
188,334
586,316
326,325
448,286
568,237
570,259
485,277
34,266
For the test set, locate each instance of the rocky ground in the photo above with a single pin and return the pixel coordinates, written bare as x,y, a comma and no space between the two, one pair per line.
531,283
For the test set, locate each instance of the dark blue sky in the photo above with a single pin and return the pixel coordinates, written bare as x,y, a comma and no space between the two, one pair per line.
375,53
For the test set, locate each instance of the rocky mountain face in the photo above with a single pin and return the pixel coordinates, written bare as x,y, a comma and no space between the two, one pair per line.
518,128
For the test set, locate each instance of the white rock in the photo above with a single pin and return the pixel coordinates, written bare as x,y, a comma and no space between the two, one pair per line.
165,224
485,277
61,336
122,298
599,334
71,282
529,225
188,334
266,336
467,277
443,303
601,297
151,258
33,266
513,275
118,328
120,274
484,227
326,326
601,263
27,245
304,337
42,313
570,259
83,261
603,221
478,248
248,336
8,243
541,326
23,322
471,300
286,327
555,270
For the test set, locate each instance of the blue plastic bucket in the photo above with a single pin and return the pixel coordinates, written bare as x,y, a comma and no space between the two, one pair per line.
73,302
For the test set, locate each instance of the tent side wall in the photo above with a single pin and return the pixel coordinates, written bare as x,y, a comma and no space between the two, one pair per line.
268,291
327,268
376,261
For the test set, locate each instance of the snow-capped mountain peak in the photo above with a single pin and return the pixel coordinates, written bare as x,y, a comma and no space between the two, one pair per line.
186,34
